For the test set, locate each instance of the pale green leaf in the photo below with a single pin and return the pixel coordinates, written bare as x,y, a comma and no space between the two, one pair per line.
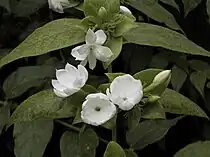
189,5
46,105
157,36
155,11
79,145
198,149
147,76
112,76
115,44
173,102
24,8
198,79
153,111
148,132
178,78
171,3
114,150
4,116
52,36
26,77
91,7
31,138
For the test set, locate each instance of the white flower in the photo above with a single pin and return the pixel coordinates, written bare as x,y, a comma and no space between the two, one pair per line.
69,80
58,5
97,109
125,91
125,10
161,77
93,49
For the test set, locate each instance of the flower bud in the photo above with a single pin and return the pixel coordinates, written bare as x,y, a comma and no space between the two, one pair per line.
162,77
153,99
102,12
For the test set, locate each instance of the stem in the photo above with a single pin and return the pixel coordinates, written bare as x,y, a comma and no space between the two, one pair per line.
114,134
103,140
62,56
110,69
68,125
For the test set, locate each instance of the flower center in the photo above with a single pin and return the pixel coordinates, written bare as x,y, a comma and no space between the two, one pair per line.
97,109
125,99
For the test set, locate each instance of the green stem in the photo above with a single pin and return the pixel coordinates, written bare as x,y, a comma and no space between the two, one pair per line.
68,125
114,134
110,69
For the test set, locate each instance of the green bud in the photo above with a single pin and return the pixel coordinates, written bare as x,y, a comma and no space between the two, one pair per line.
153,99
102,12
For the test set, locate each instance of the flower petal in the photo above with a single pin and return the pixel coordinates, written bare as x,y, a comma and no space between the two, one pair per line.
102,53
57,85
97,95
90,37
83,74
55,6
92,61
60,93
65,78
84,62
71,91
80,52
96,111
125,10
71,69
100,37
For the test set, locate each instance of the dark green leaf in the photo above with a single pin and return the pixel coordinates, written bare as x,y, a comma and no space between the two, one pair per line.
114,150
198,149
155,11
46,105
112,76
115,44
79,145
130,153
198,79
198,65
4,116
102,88
148,132
134,117
173,102
208,7
52,36
189,5
31,138
110,124
159,61
178,78
26,77
24,8
5,4
153,35
171,3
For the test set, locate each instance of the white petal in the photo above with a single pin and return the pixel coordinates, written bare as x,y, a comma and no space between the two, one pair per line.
57,85
65,78
84,62
71,69
60,93
55,6
83,74
97,95
102,53
80,52
100,37
92,61
90,37
91,115
71,91
124,9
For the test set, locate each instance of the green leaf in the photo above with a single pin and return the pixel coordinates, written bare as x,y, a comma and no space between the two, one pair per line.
114,150
52,36
102,88
112,76
189,5
155,11
26,77
153,35
5,4
208,7
110,124
198,79
24,8
173,102
148,132
198,149
134,117
178,78
171,3
153,111
91,7
31,138
130,153
115,44
147,76
46,105
4,116
79,145
159,60
199,65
